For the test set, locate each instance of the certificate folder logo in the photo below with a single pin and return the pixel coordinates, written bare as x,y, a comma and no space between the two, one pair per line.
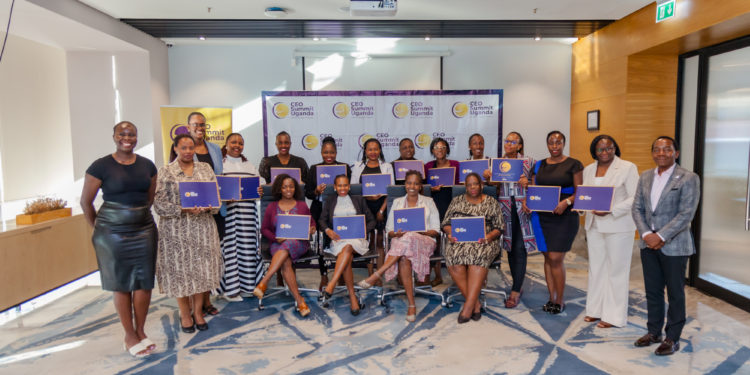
584,197
191,194
466,171
535,198
434,178
460,230
286,226
342,227
370,184
402,220
505,166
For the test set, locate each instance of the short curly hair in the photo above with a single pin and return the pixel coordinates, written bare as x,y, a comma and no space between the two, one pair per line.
276,187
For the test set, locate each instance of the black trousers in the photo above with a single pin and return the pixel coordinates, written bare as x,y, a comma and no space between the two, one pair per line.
517,255
660,271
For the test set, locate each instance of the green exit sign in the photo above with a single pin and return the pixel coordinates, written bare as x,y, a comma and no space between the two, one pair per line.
664,10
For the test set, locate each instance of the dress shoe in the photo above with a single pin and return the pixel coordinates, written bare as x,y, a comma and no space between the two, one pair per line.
647,340
357,311
547,306
476,316
201,327
667,347
190,328
462,320
325,297
556,308
260,290
589,319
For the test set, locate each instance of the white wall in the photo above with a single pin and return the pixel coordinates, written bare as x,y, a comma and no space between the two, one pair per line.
35,138
233,76
535,77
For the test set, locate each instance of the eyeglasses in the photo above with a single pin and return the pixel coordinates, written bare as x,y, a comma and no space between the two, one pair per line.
607,149
510,142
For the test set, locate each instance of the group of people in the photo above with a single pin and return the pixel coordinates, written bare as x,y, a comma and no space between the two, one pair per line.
196,251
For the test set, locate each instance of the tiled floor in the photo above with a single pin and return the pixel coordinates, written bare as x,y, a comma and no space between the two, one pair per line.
80,334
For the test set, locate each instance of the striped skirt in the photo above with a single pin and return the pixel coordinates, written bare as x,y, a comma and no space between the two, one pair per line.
243,266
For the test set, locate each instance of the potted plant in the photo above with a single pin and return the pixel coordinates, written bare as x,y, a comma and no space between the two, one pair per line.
43,209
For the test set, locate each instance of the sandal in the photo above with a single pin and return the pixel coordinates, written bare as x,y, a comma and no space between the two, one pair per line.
149,344
302,308
604,324
137,349
413,317
210,310
557,308
260,290
547,306
511,302
589,319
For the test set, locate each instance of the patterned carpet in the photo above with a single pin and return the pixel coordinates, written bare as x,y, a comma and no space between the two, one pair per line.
82,335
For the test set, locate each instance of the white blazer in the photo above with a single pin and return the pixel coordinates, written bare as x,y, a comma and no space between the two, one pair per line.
360,166
623,175
431,215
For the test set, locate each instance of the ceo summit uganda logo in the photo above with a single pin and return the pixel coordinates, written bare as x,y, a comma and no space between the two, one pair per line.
400,110
280,110
459,109
340,110
310,141
422,140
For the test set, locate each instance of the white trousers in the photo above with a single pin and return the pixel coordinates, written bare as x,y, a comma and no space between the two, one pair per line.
609,276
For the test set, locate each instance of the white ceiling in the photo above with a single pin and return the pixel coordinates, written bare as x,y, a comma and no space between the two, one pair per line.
407,9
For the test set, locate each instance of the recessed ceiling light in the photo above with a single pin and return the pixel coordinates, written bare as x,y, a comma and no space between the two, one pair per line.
537,38
275,12
427,37
316,39
201,37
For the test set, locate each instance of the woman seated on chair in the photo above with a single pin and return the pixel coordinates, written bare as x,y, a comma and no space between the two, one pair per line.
468,262
410,250
288,201
343,204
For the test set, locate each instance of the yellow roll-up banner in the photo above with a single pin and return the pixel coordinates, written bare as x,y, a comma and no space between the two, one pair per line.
174,122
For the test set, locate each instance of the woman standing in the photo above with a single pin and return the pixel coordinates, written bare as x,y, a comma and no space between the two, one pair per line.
288,201
343,204
555,231
441,194
610,235
409,250
373,162
124,232
243,265
469,262
283,159
210,154
518,237
314,192
476,147
405,152
189,260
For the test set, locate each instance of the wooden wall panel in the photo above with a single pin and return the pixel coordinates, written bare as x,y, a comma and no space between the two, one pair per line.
628,70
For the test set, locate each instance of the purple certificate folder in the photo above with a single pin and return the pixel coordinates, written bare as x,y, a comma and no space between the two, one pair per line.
349,227
402,166
506,170
542,198
375,184
327,173
229,188
293,172
468,166
409,219
199,194
594,198
467,229
249,188
441,176
293,227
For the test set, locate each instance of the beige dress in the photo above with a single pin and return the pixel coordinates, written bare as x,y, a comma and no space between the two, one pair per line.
189,257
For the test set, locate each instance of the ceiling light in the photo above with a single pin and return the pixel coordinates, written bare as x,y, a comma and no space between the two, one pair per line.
316,39
537,38
275,12
201,37
427,37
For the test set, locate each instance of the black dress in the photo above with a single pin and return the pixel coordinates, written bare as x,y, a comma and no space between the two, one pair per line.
375,205
559,230
125,238
268,162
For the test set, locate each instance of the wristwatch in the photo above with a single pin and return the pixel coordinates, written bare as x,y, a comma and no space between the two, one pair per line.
567,200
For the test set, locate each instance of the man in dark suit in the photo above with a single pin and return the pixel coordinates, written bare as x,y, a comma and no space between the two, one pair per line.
664,205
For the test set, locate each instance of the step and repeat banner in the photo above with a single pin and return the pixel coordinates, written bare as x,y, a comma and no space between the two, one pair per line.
352,117
174,122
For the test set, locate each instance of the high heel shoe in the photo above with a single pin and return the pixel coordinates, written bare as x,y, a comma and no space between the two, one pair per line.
302,308
325,298
365,285
476,316
357,311
462,320
190,328
413,317
260,290
557,308
548,306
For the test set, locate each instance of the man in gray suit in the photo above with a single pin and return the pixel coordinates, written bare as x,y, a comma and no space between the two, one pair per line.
664,205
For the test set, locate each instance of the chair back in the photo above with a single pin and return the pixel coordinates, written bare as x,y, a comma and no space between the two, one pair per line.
397,191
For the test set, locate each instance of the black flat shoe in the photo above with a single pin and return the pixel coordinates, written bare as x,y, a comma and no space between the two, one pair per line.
188,329
357,311
476,316
201,327
557,308
462,320
547,306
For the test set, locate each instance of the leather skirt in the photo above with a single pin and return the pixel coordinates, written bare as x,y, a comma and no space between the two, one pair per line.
125,240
